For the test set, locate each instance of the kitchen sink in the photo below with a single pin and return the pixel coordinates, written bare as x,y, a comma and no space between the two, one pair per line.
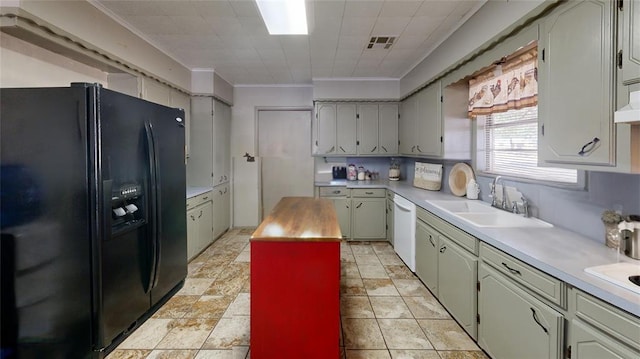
623,274
481,214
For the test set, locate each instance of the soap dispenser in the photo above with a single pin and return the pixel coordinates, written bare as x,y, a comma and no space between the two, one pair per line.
473,189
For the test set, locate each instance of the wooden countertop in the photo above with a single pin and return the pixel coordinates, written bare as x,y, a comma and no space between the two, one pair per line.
304,219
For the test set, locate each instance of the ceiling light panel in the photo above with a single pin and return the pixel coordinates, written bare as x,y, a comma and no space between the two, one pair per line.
284,17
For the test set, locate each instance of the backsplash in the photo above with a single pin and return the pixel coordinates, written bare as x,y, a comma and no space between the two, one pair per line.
578,210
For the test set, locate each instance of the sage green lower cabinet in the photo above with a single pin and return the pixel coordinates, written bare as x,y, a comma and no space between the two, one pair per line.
427,256
389,211
368,218
343,211
221,209
457,276
199,228
589,343
513,323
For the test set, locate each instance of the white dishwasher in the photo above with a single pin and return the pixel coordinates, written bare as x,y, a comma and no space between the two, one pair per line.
404,230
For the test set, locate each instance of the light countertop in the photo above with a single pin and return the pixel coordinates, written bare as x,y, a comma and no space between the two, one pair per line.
555,251
194,191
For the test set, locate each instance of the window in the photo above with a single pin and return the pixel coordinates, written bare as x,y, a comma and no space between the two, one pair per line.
508,145
503,99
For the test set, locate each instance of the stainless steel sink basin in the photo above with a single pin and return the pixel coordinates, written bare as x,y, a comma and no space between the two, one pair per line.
621,274
481,214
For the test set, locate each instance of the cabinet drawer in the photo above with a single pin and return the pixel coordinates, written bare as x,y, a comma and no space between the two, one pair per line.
613,321
455,234
198,200
334,192
368,192
544,285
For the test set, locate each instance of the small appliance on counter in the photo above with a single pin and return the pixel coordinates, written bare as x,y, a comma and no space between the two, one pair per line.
339,172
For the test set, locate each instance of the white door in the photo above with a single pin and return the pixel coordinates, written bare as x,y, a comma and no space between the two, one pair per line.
284,145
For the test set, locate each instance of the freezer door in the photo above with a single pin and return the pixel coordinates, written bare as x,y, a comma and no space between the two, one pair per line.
45,232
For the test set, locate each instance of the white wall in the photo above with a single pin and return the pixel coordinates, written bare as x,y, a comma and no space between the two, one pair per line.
356,89
246,177
25,65
492,19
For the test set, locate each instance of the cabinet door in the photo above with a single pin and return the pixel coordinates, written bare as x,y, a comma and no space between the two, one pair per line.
514,324
368,218
367,129
631,41
343,211
192,234
221,143
156,92
346,135
457,278
204,215
427,256
589,343
407,126
388,128
429,121
183,101
220,209
575,61
325,129
200,166
390,221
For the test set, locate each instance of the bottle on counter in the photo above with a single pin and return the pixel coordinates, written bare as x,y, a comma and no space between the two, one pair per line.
352,173
361,173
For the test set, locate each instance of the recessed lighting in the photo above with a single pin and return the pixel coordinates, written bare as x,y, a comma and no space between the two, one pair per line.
284,17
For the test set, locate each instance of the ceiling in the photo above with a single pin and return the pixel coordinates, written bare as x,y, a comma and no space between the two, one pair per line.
230,37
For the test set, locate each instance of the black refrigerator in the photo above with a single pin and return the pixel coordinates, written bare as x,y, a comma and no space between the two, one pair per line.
93,217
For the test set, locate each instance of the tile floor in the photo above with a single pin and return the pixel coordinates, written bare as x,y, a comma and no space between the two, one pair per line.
386,311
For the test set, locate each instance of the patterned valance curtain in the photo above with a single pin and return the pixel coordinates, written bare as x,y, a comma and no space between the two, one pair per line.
513,84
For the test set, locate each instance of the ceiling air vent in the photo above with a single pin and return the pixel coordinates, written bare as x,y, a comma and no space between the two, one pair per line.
381,42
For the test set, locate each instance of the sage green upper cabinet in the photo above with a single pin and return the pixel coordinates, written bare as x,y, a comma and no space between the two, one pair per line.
367,129
407,126
346,129
630,41
221,143
182,100
156,92
388,128
575,61
429,122
514,324
325,129
200,166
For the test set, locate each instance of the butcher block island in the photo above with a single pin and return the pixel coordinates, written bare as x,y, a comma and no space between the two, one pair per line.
295,281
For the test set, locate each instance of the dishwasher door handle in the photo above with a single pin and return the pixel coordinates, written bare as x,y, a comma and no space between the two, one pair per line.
402,207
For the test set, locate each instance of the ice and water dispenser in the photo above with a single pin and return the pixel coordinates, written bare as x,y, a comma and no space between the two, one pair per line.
127,206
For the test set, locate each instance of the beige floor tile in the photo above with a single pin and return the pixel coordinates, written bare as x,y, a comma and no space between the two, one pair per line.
399,271
390,307
352,286
362,259
383,248
148,335
128,354
244,256
426,308
195,286
360,248
356,307
411,287
176,307
229,333
390,259
403,334
172,354
380,287
349,270
362,334
446,334
372,271
462,354
188,334
347,258
368,354
240,306
209,307
414,354
229,287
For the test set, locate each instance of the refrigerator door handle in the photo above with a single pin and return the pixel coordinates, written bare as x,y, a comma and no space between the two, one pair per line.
158,211
151,152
